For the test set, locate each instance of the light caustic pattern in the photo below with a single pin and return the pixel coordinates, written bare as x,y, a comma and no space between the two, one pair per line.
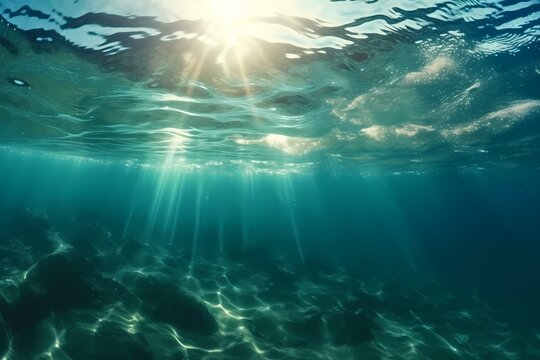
280,311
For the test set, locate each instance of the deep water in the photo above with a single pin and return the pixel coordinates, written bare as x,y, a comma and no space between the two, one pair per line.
108,261
295,179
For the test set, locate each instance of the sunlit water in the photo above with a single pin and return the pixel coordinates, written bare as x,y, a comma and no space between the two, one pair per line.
287,179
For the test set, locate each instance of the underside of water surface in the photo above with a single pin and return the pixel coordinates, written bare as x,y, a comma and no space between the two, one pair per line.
287,179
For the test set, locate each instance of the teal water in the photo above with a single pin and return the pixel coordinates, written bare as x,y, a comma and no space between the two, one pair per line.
302,179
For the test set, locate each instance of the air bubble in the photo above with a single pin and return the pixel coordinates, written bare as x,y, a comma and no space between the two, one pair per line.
19,82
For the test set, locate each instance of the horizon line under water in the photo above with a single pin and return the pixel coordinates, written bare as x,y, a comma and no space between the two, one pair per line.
286,179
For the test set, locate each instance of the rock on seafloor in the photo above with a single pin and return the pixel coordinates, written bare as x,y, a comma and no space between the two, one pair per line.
167,303
350,328
59,282
108,340
29,228
4,336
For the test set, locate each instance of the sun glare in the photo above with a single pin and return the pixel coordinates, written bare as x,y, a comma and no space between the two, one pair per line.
232,37
229,12
228,30
235,26
229,20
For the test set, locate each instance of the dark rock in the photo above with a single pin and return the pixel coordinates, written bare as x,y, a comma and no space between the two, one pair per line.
22,222
109,340
92,239
9,292
282,282
241,350
109,263
4,306
167,303
136,253
283,276
132,248
363,301
33,340
308,327
179,355
65,278
60,282
402,305
317,269
304,329
266,327
30,229
4,337
16,257
173,262
350,328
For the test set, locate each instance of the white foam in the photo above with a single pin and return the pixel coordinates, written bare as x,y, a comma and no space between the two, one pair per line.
379,132
287,144
495,121
410,130
375,132
431,70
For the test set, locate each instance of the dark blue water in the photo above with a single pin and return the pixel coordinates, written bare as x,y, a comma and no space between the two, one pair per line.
302,179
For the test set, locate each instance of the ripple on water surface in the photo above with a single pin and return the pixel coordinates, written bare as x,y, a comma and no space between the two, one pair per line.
401,85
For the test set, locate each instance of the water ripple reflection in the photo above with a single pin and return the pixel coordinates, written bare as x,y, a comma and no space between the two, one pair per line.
367,83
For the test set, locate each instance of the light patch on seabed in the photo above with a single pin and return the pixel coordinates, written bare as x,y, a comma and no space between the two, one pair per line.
430,71
495,120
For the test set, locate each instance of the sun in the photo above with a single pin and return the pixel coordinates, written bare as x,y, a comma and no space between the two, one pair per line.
228,24
228,13
226,17
232,38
